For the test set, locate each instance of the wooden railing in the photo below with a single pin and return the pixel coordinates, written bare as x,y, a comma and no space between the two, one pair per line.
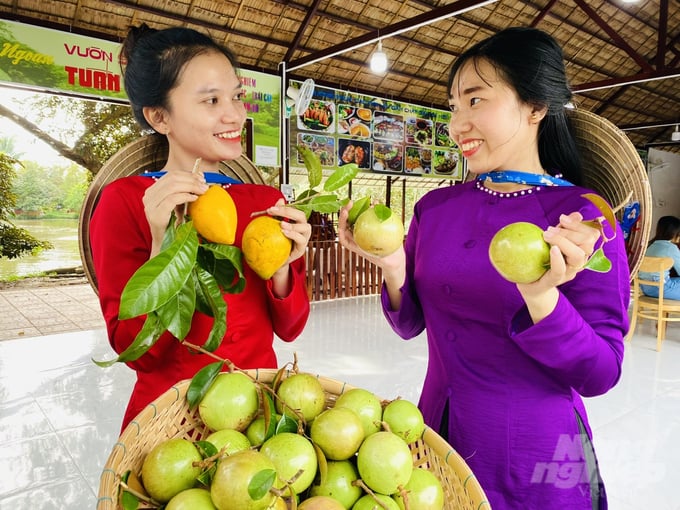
335,272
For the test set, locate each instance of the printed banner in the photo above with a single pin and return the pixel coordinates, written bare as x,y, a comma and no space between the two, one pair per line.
60,62
378,135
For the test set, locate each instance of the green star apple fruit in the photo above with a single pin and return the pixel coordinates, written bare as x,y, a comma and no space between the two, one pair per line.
231,402
368,502
338,432
242,482
320,503
338,483
290,453
229,439
366,405
385,462
423,491
404,419
519,252
191,499
302,392
378,231
168,469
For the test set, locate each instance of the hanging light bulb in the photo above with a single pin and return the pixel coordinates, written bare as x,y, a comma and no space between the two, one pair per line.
378,62
675,135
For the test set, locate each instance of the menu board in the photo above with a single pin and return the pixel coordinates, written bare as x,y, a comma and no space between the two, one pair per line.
376,134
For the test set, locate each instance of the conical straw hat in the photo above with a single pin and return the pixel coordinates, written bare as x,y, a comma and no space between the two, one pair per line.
148,153
613,168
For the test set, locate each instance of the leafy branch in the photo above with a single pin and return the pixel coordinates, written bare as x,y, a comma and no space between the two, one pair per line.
190,273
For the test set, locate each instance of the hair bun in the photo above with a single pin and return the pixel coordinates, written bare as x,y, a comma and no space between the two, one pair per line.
133,36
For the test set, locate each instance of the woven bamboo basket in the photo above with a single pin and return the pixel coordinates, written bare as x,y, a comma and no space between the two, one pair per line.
170,417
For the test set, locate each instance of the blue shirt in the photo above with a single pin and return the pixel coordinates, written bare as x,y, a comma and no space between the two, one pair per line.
662,248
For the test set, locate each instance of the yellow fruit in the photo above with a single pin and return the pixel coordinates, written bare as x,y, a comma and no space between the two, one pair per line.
264,246
214,215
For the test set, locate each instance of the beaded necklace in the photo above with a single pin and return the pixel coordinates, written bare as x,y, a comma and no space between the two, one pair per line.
524,178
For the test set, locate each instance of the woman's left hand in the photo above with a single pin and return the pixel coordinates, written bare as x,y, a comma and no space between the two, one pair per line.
297,229
572,242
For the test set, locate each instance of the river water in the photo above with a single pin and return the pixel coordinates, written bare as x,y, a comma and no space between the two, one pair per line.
62,233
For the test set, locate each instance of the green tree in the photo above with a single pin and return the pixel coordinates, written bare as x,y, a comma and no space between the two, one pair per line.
95,131
14,241
34,188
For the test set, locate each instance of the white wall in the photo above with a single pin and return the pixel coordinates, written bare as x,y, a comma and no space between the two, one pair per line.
664,180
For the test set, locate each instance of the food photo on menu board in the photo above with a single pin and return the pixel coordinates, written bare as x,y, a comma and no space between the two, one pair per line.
442,138
354,121
319,116
388,126
322,146
447,162
419,131
418,160
388,157
351,150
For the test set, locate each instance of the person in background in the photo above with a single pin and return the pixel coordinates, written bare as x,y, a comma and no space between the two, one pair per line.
185,87
664,244
509,363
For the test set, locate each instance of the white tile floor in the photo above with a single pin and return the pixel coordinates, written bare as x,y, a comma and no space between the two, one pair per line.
60,414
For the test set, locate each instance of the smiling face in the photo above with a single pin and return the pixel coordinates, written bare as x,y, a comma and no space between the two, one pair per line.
205,114
493,128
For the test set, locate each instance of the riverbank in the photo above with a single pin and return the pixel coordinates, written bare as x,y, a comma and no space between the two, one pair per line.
68,276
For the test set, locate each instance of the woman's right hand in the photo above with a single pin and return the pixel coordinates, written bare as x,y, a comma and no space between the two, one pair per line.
168,194
394,262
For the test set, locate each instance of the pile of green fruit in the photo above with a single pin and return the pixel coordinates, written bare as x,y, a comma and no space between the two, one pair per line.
286,445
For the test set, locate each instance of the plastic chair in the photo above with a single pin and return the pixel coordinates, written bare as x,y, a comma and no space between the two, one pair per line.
658,309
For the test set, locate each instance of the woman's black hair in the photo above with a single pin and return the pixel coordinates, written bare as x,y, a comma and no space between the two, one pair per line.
532,63
151,61
667,228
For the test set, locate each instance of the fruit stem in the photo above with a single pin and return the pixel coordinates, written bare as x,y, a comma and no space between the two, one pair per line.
360,483
142,497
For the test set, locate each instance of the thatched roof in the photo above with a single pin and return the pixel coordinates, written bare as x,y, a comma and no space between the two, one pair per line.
623,59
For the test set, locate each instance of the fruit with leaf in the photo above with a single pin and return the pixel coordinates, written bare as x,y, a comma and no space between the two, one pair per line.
520,254
376,229
242,481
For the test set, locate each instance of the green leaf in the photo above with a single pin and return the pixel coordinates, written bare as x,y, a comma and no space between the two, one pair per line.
212,295
225,263
176,314
286,424
261,483
382,212
201,382
305,208
599,262
325,203
162,276
129,501
206,448
358,207
202,304
149,334
313,165
306,194
341,177
269,412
